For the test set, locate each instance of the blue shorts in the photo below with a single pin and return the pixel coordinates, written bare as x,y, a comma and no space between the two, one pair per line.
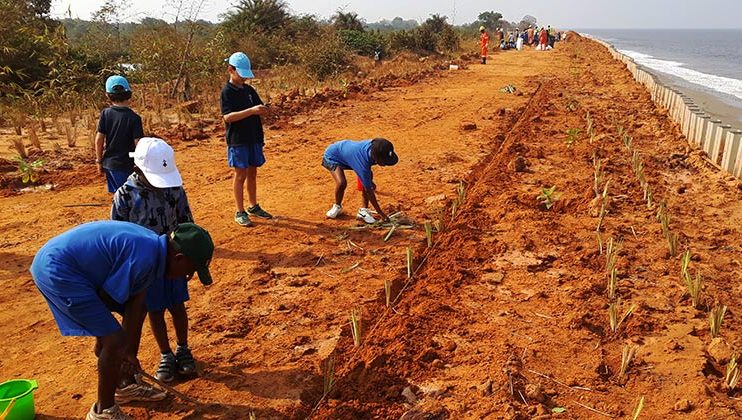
245,156
80,314
166,293
115,179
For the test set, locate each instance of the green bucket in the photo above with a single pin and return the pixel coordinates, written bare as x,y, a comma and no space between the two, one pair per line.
20,390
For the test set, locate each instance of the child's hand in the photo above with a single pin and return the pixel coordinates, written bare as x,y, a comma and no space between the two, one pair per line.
260,110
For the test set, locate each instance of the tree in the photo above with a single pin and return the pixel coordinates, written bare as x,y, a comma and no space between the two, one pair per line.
256,16
490,20
348,21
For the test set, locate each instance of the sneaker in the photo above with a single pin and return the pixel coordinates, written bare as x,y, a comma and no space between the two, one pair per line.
259,212
139,391
166,369
242,218
113,413
186,362
365,215
334,212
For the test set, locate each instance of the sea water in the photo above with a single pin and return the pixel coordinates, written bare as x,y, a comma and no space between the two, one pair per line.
706,61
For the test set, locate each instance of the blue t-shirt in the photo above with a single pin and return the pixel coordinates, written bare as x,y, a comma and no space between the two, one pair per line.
120,258
121,126
247,130
355,155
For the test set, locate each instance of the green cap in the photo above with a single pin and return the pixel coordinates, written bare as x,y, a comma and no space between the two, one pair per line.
196,244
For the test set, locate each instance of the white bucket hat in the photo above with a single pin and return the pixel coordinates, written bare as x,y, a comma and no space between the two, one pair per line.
156,159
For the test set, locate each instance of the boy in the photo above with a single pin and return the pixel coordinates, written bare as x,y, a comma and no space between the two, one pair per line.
153,197
241,111
119,129
358,156
102,267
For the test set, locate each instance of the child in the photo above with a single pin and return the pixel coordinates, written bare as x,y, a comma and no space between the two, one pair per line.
119,129
241,111
153,197
102,267
358,156
484,42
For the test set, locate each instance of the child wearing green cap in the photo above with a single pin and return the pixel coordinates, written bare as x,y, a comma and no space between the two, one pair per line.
119,129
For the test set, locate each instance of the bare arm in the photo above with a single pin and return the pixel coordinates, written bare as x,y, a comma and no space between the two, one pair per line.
100,139
371,195
241,115
134,314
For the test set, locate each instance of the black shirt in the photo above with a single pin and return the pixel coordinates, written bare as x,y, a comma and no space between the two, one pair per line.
121,126
248,130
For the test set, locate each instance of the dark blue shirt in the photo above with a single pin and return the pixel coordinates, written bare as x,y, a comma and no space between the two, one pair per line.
121,126
160,210
247,130
355,155
119,258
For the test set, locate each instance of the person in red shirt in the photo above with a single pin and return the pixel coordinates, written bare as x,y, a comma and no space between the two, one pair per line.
543,39
484,42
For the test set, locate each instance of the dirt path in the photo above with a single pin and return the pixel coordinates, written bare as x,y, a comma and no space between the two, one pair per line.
509,295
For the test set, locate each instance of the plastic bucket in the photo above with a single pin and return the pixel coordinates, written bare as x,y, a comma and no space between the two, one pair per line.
20,390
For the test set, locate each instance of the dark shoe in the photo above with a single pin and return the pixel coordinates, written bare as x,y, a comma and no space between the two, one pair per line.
259,212
242,218
185,360
166,369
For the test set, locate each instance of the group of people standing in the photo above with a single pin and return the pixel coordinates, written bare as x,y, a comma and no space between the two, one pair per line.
542,39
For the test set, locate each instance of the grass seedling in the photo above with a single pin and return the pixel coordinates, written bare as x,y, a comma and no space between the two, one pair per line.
355,327
664,217
732,377
329,375
611,254
408,253
17,144
627,355
572,137
548,196
612,284
621,131
638,409
429,233
388,292
684,264
716,317
461,192
613,319
628,141
672,243
603,206
694,287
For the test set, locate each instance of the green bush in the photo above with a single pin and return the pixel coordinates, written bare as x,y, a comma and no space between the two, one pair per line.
327,57
362,43
435,35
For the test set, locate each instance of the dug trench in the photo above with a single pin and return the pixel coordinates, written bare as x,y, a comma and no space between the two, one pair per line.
507,316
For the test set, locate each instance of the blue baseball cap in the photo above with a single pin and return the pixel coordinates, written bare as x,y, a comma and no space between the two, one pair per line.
241,63
114,81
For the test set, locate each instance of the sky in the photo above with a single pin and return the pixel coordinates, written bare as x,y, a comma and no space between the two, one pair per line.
565,14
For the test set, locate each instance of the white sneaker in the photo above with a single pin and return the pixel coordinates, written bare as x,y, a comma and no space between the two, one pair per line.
365,215
113,413
334,211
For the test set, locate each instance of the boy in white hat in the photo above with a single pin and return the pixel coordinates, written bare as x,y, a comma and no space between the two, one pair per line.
153,197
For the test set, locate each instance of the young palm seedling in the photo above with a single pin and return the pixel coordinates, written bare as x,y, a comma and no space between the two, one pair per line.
598,175
590,127
355,327
613,319
716,317
603,206
69,133
627,355
548,196
672,243
611,254
664,217
329,375
732,377
429,233
628,141
612,284
572,137
461,192
694,286
408,254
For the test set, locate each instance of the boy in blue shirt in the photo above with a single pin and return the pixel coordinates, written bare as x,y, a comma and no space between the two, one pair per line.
358,156
119,129
102,267
241,111
153,197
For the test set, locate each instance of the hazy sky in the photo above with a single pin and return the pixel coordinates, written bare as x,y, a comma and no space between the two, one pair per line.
561,13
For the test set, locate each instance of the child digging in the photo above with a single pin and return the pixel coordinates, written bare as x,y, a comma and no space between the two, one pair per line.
153,197
241,111
102,267
119,129
358,156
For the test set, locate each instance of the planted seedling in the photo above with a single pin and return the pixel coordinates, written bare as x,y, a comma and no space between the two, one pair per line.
572,137
638,409
603,206
694,287
29,171
408,254
611,255
672,243
355,327
716,317
732,377
429,233
627,355
590,128
600,242
598,175
461,191
664,217
329,375
612,283
34,137
613,319
388,292
628,141
548,196
69,133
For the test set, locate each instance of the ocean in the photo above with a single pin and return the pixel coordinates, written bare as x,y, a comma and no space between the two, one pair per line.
706,64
